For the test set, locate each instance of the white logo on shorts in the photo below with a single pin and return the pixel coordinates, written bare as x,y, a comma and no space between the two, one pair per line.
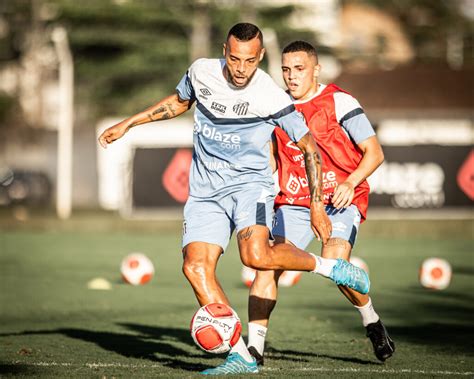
339,226
242,216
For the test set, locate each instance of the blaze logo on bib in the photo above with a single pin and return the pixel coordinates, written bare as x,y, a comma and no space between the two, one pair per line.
176,176
329,180
294,184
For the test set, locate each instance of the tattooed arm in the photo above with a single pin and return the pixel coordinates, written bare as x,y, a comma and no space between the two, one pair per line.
169,107
320,222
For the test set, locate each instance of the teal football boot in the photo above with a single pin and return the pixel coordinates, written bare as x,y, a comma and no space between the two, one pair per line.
234,364
346,274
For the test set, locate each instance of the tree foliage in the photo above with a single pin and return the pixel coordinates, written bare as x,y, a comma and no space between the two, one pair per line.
130,53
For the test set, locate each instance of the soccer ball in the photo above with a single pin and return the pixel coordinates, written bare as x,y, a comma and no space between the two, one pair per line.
216,328
248,275
359,262
287,279
435,273
137,269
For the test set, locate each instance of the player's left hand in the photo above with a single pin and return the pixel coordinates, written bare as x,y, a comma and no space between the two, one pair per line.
343,195
320,222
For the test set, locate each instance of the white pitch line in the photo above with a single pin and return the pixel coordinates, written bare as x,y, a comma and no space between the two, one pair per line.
265,369
379,371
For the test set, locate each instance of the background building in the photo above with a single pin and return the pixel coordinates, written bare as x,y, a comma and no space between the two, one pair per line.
411,68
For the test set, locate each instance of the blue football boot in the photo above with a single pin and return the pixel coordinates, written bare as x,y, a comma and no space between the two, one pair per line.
234,364
346,274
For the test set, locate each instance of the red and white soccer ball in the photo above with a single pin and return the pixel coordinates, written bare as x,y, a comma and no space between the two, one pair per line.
137,269
287,279
435,273
216,328
359,262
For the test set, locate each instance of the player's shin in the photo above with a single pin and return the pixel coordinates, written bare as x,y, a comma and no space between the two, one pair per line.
262,300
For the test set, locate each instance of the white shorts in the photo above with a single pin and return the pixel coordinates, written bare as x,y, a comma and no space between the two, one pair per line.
293,223
213,220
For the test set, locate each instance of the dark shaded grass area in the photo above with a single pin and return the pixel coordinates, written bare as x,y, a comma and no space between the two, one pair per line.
52,325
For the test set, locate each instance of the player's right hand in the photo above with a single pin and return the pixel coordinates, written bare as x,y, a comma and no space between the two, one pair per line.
320,222
112,134
343,195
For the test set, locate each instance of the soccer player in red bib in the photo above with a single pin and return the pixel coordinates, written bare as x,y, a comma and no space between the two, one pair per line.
350,152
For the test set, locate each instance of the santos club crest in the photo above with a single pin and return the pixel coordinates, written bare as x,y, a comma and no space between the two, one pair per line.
241,108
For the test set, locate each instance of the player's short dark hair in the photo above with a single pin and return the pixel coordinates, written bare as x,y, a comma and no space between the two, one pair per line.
297,46
245,31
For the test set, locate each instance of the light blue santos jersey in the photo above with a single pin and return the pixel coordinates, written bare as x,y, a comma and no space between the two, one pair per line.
232,127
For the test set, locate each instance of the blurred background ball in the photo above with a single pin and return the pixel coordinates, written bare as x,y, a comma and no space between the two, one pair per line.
287,279
435,273
137,269
359,262
248,275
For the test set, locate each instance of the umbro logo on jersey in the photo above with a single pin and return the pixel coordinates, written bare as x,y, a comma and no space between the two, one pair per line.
218,107
293,146
241,108
205,92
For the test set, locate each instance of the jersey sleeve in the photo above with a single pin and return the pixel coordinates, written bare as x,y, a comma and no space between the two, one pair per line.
185,87
292,122
352,118
284,115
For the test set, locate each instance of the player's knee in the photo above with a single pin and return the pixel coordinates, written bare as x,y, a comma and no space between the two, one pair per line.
247,260
337,248
256,259
193,269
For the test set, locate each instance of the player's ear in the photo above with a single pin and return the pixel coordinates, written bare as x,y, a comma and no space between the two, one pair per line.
317,70
262,54
224,47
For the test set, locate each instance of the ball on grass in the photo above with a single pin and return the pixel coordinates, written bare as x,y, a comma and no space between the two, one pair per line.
137,269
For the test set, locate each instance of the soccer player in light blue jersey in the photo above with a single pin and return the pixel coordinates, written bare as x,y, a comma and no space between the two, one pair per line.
231,186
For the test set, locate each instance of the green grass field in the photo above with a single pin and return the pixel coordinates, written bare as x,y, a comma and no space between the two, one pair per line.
52,325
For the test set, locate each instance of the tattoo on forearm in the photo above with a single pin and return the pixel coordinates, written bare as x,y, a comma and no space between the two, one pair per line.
313,171
150,117
165,112
160,109
245,235
171,109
